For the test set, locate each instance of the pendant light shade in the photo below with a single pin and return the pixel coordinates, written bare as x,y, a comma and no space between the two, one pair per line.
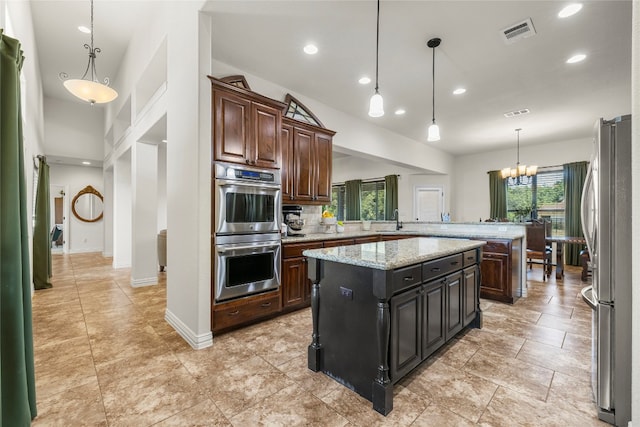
88,88
434,130
376,108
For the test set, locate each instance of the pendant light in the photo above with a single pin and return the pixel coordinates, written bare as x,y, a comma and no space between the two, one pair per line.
434,130
376,108
521,174
90,89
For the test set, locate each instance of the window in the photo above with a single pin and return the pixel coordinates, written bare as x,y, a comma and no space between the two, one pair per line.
542,198
372,196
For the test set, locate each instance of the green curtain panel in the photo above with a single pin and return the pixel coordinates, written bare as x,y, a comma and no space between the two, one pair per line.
574,177
497,195
391,195
352,196
41,237
17,379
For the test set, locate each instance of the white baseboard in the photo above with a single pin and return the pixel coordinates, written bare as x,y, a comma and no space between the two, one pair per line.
198,342
84,250
118,264
107,254
147,281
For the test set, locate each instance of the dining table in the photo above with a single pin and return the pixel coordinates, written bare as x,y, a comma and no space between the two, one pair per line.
560,241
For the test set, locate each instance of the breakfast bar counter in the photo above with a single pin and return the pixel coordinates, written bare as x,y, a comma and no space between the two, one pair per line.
379,309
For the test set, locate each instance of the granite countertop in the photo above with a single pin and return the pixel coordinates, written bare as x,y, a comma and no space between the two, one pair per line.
440,233
394,253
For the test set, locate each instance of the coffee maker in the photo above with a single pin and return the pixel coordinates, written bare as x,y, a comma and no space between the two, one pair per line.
292,217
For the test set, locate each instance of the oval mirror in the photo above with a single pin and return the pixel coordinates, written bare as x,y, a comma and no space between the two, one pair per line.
87,205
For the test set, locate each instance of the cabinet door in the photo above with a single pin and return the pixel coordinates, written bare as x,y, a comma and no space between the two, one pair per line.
433,329
303,160
406,332
470,294
231,127
265,142
453,294
294,278
323,165
286,166
494,271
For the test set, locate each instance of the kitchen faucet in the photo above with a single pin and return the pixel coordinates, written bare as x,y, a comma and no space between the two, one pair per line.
397,217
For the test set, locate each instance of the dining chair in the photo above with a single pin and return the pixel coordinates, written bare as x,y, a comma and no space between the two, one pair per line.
537,246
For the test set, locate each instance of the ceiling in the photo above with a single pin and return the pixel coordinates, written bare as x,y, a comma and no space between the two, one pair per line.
266,38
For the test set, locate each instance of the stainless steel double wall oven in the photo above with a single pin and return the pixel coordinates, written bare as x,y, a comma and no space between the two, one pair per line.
247,205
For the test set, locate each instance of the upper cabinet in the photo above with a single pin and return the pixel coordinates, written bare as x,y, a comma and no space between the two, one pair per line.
306,156
246,125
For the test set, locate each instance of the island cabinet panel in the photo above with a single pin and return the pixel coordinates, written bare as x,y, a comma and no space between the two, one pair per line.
247,126
471,285
434,321
406,336
307,160
454,297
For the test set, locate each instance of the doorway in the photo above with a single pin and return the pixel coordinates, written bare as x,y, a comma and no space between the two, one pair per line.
58,219
428,203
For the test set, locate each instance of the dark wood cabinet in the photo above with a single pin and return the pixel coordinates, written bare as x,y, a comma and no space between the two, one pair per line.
433,330
246,126
470,283
406,322
454,297
246,310
307,161
500,270
294,280
367,239
337,242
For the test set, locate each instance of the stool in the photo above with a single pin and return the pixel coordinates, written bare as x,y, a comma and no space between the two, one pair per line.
584,262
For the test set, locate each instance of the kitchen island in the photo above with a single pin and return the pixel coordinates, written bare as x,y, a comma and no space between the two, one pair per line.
379,309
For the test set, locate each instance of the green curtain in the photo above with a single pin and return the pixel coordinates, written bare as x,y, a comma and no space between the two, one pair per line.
352,196
17,380
391,195
497,195
574,177
41,236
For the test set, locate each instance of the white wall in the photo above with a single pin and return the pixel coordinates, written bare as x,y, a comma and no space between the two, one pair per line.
162,186
81,236
73,129
471,182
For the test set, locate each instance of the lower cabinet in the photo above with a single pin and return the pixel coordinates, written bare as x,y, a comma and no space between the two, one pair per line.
500,270
453,296
470,283
433,321
406,335
294,281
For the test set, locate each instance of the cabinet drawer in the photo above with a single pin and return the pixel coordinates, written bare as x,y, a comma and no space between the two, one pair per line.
470,258
238,312
406,277
293,250
497,246
338,242
368,239
442,266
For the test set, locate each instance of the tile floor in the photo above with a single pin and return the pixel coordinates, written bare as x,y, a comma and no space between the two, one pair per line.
105,356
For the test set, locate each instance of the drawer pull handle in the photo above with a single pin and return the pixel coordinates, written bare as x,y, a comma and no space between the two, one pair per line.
470,258
407,278
234,313
265,304
435,269
455,262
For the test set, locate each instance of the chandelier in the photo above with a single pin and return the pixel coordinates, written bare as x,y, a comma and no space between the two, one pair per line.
521,174
90,89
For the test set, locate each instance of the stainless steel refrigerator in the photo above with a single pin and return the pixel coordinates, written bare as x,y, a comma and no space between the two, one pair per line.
606,221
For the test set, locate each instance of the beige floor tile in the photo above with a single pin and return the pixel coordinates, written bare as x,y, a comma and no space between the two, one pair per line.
126,344
457,352
436,415
291,406
554,309
573,392
60,351
504,344
573,325
204,414
557,359
77,406
514,374
517,328
507,310
577,343
136,368
460,391
77,371
314,382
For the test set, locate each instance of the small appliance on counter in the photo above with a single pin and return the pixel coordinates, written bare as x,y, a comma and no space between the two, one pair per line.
292,217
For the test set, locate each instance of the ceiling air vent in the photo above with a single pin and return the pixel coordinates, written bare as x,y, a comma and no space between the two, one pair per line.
518,31
517,112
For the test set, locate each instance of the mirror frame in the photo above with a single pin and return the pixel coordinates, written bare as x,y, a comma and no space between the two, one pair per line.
87,190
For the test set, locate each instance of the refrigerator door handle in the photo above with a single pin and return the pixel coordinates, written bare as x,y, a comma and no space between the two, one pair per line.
587,296
586,209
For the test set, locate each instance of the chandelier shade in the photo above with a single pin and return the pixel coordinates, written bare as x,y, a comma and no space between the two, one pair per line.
521,174
88,88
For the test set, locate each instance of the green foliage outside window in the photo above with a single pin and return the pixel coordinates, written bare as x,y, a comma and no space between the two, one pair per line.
372,196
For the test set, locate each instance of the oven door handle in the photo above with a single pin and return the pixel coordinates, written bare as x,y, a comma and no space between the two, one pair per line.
224,249
229,183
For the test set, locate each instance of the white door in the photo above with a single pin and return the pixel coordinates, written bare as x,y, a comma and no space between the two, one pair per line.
428,203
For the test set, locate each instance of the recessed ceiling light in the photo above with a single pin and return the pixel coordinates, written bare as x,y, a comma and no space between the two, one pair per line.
84,29
569,10
364,80
400,112
164,140
459,91
310,49
86,163
576,58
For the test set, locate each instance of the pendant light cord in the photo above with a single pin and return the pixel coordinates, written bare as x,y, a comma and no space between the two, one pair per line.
433,86
92,25
377,42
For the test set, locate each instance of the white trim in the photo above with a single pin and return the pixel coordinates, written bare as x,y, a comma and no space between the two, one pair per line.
117,265
107,254
198,342
147,281
85,250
